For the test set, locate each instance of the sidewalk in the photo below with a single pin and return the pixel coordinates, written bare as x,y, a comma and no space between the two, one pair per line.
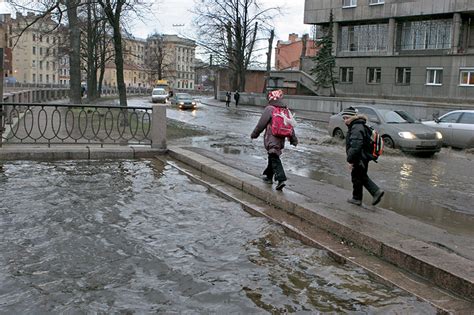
305,115
411,245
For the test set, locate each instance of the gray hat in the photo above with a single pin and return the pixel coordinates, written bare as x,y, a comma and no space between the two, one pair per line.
350,111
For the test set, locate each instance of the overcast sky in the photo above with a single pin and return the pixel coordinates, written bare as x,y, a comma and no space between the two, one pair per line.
176,12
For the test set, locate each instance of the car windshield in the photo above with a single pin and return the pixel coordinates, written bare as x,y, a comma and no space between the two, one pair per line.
183,96
396,117
159,92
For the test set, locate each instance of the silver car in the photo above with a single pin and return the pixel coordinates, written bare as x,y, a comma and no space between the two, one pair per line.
457,128
397,128
159,95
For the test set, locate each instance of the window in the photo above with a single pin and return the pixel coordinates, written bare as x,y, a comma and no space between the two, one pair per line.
41,51
368,37
451,118
434,76
374,75
34,50
430,34
467,118
33,64
34,37
467,77
374,2
402,76
41,65
41,78
47,78
349,3
346,75
369,112
34,77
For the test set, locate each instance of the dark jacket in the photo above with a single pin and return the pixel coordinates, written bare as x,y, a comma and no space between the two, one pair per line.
272,144
356,140
236,96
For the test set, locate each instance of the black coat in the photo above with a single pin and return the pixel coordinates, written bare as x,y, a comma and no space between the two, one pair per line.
356,140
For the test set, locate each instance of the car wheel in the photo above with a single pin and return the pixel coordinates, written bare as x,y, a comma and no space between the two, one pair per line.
338,133
388,142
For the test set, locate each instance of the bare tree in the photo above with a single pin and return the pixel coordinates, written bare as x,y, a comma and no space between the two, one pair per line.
159,59
61,11
229,30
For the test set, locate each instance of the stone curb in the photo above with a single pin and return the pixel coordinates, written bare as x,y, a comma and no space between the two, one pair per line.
443,269
69,152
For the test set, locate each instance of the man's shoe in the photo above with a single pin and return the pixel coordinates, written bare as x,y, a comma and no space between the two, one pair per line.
266,180
280,185
355,201
377,197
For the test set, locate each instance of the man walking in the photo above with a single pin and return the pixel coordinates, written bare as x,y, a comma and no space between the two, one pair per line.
236,98
227,98
356,143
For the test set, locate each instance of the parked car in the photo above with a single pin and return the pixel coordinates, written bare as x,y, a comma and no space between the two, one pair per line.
397,128
159,95
457,128
184,101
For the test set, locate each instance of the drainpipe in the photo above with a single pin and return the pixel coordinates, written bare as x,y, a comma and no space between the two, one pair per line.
391,36
456,33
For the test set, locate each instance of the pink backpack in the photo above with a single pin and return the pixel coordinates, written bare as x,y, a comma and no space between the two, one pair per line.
282,122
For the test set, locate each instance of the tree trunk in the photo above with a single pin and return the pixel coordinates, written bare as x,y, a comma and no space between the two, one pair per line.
74,52
91,57
269,59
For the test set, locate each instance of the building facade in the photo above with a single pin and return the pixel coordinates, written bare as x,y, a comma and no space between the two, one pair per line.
288,54
411,49
36,56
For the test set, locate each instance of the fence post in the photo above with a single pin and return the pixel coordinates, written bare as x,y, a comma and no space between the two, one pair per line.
158,127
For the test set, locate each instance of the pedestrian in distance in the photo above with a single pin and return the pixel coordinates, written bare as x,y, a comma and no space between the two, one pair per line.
273,143
236,98
227,98
357,145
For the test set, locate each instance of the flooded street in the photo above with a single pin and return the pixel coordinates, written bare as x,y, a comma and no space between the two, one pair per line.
437,189
129,237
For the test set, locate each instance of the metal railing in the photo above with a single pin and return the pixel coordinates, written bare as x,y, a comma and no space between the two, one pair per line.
75,124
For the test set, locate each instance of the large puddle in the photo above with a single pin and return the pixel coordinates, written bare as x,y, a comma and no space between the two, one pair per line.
139,237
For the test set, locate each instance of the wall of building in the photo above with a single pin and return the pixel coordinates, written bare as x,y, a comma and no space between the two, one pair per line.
288,53
317,11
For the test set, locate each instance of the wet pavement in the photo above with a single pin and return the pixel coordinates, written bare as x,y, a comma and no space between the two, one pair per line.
128,236
437,190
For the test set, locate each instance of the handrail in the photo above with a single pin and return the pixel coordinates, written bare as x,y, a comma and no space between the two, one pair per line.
49,124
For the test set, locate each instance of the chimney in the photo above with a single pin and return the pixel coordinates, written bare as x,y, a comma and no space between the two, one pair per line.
292,37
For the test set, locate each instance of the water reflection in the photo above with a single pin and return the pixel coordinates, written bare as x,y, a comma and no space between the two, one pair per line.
406,172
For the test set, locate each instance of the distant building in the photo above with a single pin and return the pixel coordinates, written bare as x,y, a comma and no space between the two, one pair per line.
412,49
178,60
36,55
288,53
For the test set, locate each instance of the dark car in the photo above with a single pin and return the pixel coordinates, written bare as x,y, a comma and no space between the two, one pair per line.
397,128
184,101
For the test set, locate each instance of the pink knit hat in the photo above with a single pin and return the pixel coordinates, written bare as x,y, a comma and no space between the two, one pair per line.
275,95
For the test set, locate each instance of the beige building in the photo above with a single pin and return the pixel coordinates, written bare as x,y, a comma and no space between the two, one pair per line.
178,60
135,71
35,53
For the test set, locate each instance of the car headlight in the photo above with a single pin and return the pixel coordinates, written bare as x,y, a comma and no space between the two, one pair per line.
407,135
193,103
439,135
181,103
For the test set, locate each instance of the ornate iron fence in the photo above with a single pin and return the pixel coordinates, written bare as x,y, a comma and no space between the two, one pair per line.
75,124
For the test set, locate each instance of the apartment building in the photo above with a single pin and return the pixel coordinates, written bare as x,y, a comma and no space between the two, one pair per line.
288,53
35,51
411,49
135,71
178,59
